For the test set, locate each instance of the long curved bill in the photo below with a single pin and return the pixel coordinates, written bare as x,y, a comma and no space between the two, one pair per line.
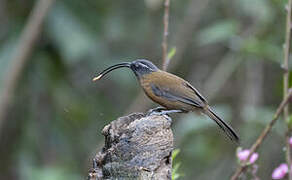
109,69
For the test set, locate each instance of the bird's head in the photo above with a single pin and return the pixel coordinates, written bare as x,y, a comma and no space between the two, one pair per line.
140,67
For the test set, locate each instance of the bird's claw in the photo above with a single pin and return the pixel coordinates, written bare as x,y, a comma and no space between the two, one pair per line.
162,111
155,111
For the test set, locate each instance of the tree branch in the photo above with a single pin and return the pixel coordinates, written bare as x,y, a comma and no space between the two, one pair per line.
28,39
136,147
165,35
286,84
262,136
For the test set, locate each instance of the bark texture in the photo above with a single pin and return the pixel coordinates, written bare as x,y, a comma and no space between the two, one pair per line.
136,147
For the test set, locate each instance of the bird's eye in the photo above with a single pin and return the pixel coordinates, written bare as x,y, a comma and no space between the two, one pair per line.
136,65
143,65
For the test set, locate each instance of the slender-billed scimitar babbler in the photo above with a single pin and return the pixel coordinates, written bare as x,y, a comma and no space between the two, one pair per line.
170,91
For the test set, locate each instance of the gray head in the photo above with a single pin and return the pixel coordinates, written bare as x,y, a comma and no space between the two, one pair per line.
140,67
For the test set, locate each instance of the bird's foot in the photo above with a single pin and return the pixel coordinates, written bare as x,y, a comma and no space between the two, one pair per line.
155,110
162,111
166,116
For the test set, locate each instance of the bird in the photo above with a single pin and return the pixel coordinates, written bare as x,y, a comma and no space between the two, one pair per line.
173,93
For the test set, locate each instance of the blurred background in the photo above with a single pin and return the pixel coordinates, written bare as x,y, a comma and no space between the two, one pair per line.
231,51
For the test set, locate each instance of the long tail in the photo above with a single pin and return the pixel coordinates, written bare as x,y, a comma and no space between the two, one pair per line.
224,126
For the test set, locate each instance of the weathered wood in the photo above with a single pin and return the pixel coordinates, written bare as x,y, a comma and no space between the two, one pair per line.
136,147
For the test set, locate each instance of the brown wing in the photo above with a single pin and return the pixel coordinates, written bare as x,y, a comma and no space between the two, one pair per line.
174,89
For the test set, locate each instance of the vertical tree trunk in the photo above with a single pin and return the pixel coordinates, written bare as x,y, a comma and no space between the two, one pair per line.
136,147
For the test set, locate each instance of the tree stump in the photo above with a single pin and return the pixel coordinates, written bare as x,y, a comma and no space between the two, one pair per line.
136,147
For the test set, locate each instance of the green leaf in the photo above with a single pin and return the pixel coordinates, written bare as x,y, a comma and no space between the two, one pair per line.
289,121
176,166
171,53
70,35
175,175
218,32
260,10
262,48
175,153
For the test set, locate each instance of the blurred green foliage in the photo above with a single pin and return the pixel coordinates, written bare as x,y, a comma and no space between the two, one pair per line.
175,166
53,128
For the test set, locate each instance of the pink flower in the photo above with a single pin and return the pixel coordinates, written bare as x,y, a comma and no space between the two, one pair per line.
280,171
243,154
290,141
